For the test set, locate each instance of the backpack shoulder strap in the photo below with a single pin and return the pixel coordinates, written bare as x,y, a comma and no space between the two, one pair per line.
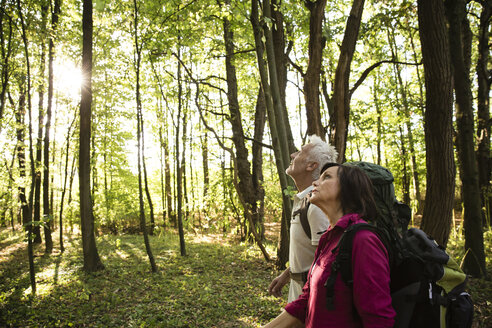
303,216
343,261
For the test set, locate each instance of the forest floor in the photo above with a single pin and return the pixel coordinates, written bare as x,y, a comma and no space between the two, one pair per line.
220,283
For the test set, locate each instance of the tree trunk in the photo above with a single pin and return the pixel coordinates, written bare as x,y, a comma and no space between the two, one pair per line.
242,178
283,249
47,211
438,126
484,79
64,188
281,61
92,262
140,142
6,53
206,174
39,141
28,205
474,262
405,114
179,178
257,161
313,72
161,151
341,94
21,156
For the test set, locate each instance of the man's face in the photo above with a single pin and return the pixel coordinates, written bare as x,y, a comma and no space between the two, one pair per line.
299,161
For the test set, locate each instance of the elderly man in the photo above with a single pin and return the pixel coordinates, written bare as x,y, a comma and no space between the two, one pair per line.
304,169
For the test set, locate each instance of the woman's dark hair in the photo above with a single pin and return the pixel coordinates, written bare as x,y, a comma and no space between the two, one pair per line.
356,191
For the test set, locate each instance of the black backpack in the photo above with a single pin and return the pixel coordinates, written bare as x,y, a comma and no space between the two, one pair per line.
303,215
427,286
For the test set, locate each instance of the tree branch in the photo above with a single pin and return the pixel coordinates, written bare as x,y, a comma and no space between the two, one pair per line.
372,67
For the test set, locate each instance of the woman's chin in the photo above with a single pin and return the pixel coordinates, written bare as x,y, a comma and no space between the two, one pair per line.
314,199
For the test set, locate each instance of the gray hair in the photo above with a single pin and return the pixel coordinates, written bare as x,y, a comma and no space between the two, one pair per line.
321,153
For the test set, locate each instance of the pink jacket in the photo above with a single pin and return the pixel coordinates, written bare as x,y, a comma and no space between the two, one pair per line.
368,303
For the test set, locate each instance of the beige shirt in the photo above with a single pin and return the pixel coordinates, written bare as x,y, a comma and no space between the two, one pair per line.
301,248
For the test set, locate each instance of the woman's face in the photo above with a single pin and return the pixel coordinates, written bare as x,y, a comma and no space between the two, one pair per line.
327,189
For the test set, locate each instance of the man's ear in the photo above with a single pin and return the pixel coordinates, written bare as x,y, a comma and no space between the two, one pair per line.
311,166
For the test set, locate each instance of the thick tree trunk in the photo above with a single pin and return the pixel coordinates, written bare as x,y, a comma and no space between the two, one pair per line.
92,262
438,117
313,72
484,79
341,94
474,262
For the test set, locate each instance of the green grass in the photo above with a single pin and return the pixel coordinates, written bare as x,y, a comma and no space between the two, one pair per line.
216,285
220,283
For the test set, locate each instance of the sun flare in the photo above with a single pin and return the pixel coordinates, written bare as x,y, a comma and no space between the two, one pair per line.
68,79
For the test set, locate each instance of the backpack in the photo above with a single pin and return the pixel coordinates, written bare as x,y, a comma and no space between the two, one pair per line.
427,285
303,216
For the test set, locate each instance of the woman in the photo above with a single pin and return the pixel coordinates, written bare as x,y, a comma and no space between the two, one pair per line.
345,195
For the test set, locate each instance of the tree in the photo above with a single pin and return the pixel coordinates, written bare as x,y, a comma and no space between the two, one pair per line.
278,131
484,80
244,183
438,128
27,205
459,31
313,72
47,213
140,140
37,183
92,262
341,94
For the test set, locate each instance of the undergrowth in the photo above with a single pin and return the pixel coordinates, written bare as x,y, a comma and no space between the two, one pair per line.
220,283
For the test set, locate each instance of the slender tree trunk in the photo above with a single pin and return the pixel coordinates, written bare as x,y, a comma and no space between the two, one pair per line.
6,53
313,72
92,262
39,141
64,188
438,126
140,141
47,211
406,118
474,262
28,205
341,95
484,79
179,178
283,249
281,62
206,177
182,166
161,151
21,156
379,119
257,162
